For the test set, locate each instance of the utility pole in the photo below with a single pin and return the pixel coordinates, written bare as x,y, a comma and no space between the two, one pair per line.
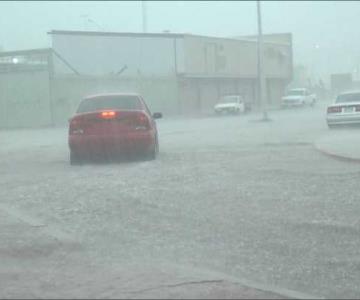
260,67
144,16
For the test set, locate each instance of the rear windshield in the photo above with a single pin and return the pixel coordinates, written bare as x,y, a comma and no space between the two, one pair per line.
110,102
344,98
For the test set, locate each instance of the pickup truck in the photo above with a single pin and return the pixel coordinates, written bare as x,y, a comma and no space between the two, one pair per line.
298,97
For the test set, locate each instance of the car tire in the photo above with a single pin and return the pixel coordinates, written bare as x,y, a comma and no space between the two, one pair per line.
75,159
153,153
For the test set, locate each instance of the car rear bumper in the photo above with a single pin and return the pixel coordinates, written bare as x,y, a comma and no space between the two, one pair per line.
112,144
343,119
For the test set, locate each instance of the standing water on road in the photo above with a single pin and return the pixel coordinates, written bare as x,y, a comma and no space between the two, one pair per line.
136,162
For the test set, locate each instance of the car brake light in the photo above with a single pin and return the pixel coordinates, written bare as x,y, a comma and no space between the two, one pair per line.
335,109
142,122
108,114
75,127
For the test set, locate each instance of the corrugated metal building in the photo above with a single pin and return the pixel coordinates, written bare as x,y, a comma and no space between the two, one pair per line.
176,73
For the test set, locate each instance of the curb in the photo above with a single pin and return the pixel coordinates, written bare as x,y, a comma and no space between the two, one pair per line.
335,155
288,293
291,294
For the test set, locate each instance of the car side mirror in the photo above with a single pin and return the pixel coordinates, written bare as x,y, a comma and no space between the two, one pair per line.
157,115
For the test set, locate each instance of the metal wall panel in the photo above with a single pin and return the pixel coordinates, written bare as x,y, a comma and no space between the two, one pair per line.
107,55
221,57
25,99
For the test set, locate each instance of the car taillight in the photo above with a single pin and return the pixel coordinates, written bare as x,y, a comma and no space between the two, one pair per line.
141,122
76,127
108,114
335,109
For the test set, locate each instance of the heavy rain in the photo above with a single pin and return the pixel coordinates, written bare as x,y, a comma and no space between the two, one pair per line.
179,149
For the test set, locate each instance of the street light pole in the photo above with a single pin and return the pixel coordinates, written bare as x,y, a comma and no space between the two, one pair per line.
260,69
144,16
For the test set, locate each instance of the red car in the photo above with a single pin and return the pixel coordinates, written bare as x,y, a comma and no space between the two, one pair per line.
111,124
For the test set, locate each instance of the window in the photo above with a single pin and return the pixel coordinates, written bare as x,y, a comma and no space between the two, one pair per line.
109,102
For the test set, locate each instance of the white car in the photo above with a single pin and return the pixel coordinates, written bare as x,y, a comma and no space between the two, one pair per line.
345,110
298,97
233,104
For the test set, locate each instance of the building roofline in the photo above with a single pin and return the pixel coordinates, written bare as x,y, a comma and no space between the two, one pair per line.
129,34
269,34
165,35
24,52
226,76
253,38
242,39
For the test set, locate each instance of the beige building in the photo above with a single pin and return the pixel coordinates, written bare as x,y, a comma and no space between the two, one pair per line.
218,66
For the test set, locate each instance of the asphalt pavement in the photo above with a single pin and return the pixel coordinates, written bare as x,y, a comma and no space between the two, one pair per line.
253,201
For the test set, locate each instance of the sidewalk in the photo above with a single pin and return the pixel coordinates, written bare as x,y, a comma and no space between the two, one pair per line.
341,143
36,264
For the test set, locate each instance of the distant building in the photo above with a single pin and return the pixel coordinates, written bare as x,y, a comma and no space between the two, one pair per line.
176,73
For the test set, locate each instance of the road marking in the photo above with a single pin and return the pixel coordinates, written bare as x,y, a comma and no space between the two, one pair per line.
339,157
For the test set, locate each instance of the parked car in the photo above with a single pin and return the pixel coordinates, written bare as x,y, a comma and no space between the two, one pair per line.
230,104
112,124
298,97
345,110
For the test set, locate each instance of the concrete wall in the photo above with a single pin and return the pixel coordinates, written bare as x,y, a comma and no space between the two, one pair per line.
24,99
199,95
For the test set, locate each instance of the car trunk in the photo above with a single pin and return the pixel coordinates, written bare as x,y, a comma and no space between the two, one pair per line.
110,122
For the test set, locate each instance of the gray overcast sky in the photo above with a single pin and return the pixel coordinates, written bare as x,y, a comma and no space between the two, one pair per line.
332,25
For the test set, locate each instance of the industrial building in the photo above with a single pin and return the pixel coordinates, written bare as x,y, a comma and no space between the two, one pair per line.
178,74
